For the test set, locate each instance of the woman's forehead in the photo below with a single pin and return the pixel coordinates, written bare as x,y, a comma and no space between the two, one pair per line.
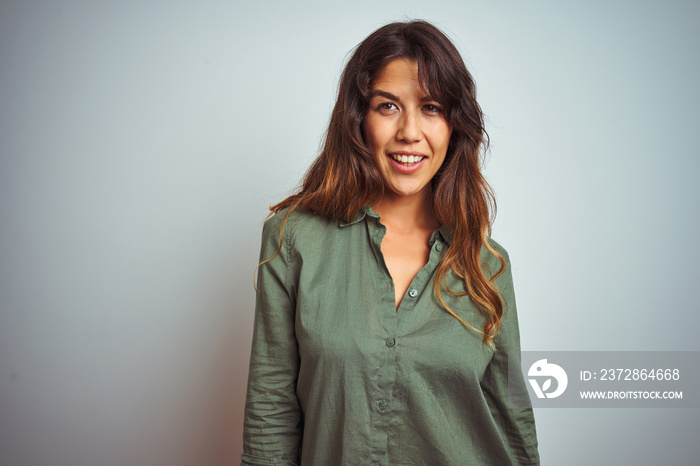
400,70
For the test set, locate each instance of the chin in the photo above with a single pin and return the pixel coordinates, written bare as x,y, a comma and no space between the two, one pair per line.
406,191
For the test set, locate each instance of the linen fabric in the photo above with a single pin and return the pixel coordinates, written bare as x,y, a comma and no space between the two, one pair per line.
339,376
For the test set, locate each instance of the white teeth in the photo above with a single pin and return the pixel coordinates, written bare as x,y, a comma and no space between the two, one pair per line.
406,158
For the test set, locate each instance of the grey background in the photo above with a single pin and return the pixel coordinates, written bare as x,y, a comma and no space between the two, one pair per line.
141,143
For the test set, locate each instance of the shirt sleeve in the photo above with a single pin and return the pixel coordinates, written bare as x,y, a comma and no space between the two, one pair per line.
272,421
516,422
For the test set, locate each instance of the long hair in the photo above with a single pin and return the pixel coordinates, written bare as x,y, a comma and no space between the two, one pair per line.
344,177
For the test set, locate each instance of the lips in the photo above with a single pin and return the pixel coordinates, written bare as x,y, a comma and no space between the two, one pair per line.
406,162
407,158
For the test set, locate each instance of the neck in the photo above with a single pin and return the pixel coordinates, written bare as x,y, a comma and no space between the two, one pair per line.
407,212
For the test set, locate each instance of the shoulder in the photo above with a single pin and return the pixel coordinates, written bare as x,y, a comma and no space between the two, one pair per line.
497,246
298,223
490,258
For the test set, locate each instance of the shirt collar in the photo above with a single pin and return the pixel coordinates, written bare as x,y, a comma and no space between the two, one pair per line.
366,210
447,233
444,231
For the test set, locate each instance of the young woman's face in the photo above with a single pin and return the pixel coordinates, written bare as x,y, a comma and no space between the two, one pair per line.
405,129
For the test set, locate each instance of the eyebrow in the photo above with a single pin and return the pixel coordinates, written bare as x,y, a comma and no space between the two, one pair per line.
389,95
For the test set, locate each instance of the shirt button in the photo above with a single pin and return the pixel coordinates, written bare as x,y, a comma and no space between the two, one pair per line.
413,292
438,246
390,342
382,405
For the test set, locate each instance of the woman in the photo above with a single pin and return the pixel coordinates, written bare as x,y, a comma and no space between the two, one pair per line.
385,312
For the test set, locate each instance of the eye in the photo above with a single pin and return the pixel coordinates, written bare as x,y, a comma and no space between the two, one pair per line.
387,107
432,108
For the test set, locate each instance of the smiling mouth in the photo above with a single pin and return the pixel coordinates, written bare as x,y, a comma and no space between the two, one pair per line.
407,160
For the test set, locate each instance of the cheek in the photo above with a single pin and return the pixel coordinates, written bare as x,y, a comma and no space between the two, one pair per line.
446,136
375,132
367,134
363,132
440,140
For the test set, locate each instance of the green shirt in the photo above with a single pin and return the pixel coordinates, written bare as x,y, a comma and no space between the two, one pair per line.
338,376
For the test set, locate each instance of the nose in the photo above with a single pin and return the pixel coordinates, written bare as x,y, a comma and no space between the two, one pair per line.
409,129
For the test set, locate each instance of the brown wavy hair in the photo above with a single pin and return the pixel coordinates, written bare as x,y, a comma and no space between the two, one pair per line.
344,177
